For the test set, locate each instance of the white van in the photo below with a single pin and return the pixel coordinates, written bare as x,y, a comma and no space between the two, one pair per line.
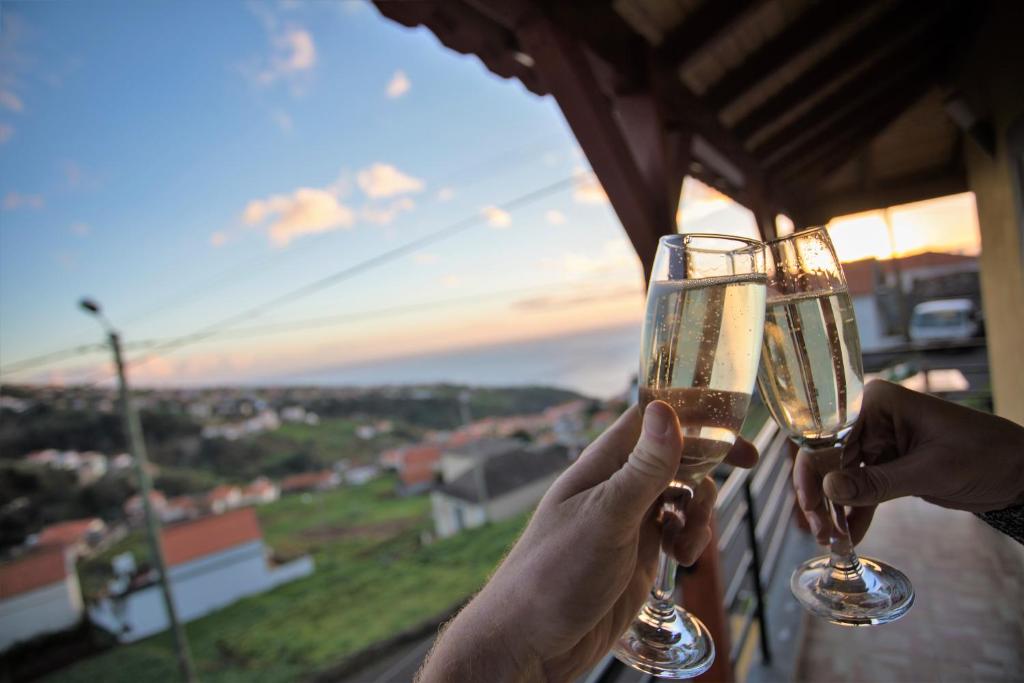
945,319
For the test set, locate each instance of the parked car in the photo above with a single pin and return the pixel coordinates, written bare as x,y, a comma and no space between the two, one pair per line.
945,319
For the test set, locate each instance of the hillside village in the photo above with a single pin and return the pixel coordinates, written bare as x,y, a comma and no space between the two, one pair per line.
488,470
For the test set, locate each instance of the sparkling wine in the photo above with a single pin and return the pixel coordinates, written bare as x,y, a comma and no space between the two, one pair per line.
699,355
811,373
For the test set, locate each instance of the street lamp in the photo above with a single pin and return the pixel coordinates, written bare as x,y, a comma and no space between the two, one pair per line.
137,446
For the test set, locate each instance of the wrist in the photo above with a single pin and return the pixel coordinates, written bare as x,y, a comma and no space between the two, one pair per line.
481,643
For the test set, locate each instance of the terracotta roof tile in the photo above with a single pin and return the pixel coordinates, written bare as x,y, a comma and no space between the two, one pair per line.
190,540
66,533
38,569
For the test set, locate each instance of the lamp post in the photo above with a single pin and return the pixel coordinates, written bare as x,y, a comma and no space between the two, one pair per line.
137,447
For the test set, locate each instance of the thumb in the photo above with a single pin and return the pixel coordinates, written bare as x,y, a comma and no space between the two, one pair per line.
875,484
651,464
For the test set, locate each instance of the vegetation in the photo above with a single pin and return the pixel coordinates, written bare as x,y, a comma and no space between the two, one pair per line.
373,579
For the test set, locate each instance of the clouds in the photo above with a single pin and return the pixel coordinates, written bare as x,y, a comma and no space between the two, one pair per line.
587,188
293,53
14,200
80,229
445,194
384,180
305,211
6,132
310,210
616,256
495,217
218,239
554,217
383,215
398,85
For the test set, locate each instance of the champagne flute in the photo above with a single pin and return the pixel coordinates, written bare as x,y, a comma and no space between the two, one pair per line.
699,354
812,379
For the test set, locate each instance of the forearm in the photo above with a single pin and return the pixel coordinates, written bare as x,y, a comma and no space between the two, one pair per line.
475,647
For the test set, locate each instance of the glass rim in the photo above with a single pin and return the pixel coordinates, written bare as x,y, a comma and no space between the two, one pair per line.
679,241
800,233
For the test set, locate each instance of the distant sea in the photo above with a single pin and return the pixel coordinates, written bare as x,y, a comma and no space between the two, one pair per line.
598,363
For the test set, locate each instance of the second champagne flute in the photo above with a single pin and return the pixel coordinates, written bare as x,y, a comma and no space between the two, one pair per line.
699,353
812,379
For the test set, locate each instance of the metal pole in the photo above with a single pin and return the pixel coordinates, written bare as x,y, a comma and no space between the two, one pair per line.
137,446
894,262
766,649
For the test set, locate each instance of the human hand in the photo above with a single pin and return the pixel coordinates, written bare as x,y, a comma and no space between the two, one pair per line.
914,444
584,565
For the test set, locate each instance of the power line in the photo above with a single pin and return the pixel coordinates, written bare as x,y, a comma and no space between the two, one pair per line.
347,273
506,159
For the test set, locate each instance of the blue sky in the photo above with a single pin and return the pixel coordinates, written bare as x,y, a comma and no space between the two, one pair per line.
153,147
184,161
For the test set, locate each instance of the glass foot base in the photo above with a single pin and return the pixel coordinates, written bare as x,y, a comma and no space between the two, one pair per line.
870,593
667,643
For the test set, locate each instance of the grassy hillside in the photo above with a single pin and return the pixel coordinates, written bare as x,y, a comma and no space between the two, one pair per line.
373,578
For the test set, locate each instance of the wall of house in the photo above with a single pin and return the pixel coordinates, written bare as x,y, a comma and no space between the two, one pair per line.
871,326
446,518
200,587
991,82
520,500
45,610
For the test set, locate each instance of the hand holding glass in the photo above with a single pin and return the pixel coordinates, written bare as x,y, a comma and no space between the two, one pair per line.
702,331
812,379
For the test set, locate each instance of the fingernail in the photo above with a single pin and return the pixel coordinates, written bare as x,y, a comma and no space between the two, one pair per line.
843,486
656,420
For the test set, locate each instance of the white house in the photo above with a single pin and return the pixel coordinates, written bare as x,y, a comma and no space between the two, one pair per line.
39,593
496,486
212,563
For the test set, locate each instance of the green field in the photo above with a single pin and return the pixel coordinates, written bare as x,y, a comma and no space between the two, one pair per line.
373,579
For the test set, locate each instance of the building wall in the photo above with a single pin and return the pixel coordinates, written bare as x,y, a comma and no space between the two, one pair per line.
871,326
992,84
519,500
445,510
200,587
45,610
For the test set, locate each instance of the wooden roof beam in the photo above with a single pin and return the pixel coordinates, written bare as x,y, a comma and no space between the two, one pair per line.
918,187
858,94
854,130
887,30
809,28
709,21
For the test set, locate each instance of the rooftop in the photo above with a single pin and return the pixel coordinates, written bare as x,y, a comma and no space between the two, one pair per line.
187,541
507,472
69,532
37,569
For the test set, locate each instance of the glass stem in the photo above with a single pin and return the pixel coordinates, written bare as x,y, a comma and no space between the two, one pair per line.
665,584
841,553
660,601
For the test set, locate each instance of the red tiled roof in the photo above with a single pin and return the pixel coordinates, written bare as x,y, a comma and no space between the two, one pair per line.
190,540
38,569
66,533
418,465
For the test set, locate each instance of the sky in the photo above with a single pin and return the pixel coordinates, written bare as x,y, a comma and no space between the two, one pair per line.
197,167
